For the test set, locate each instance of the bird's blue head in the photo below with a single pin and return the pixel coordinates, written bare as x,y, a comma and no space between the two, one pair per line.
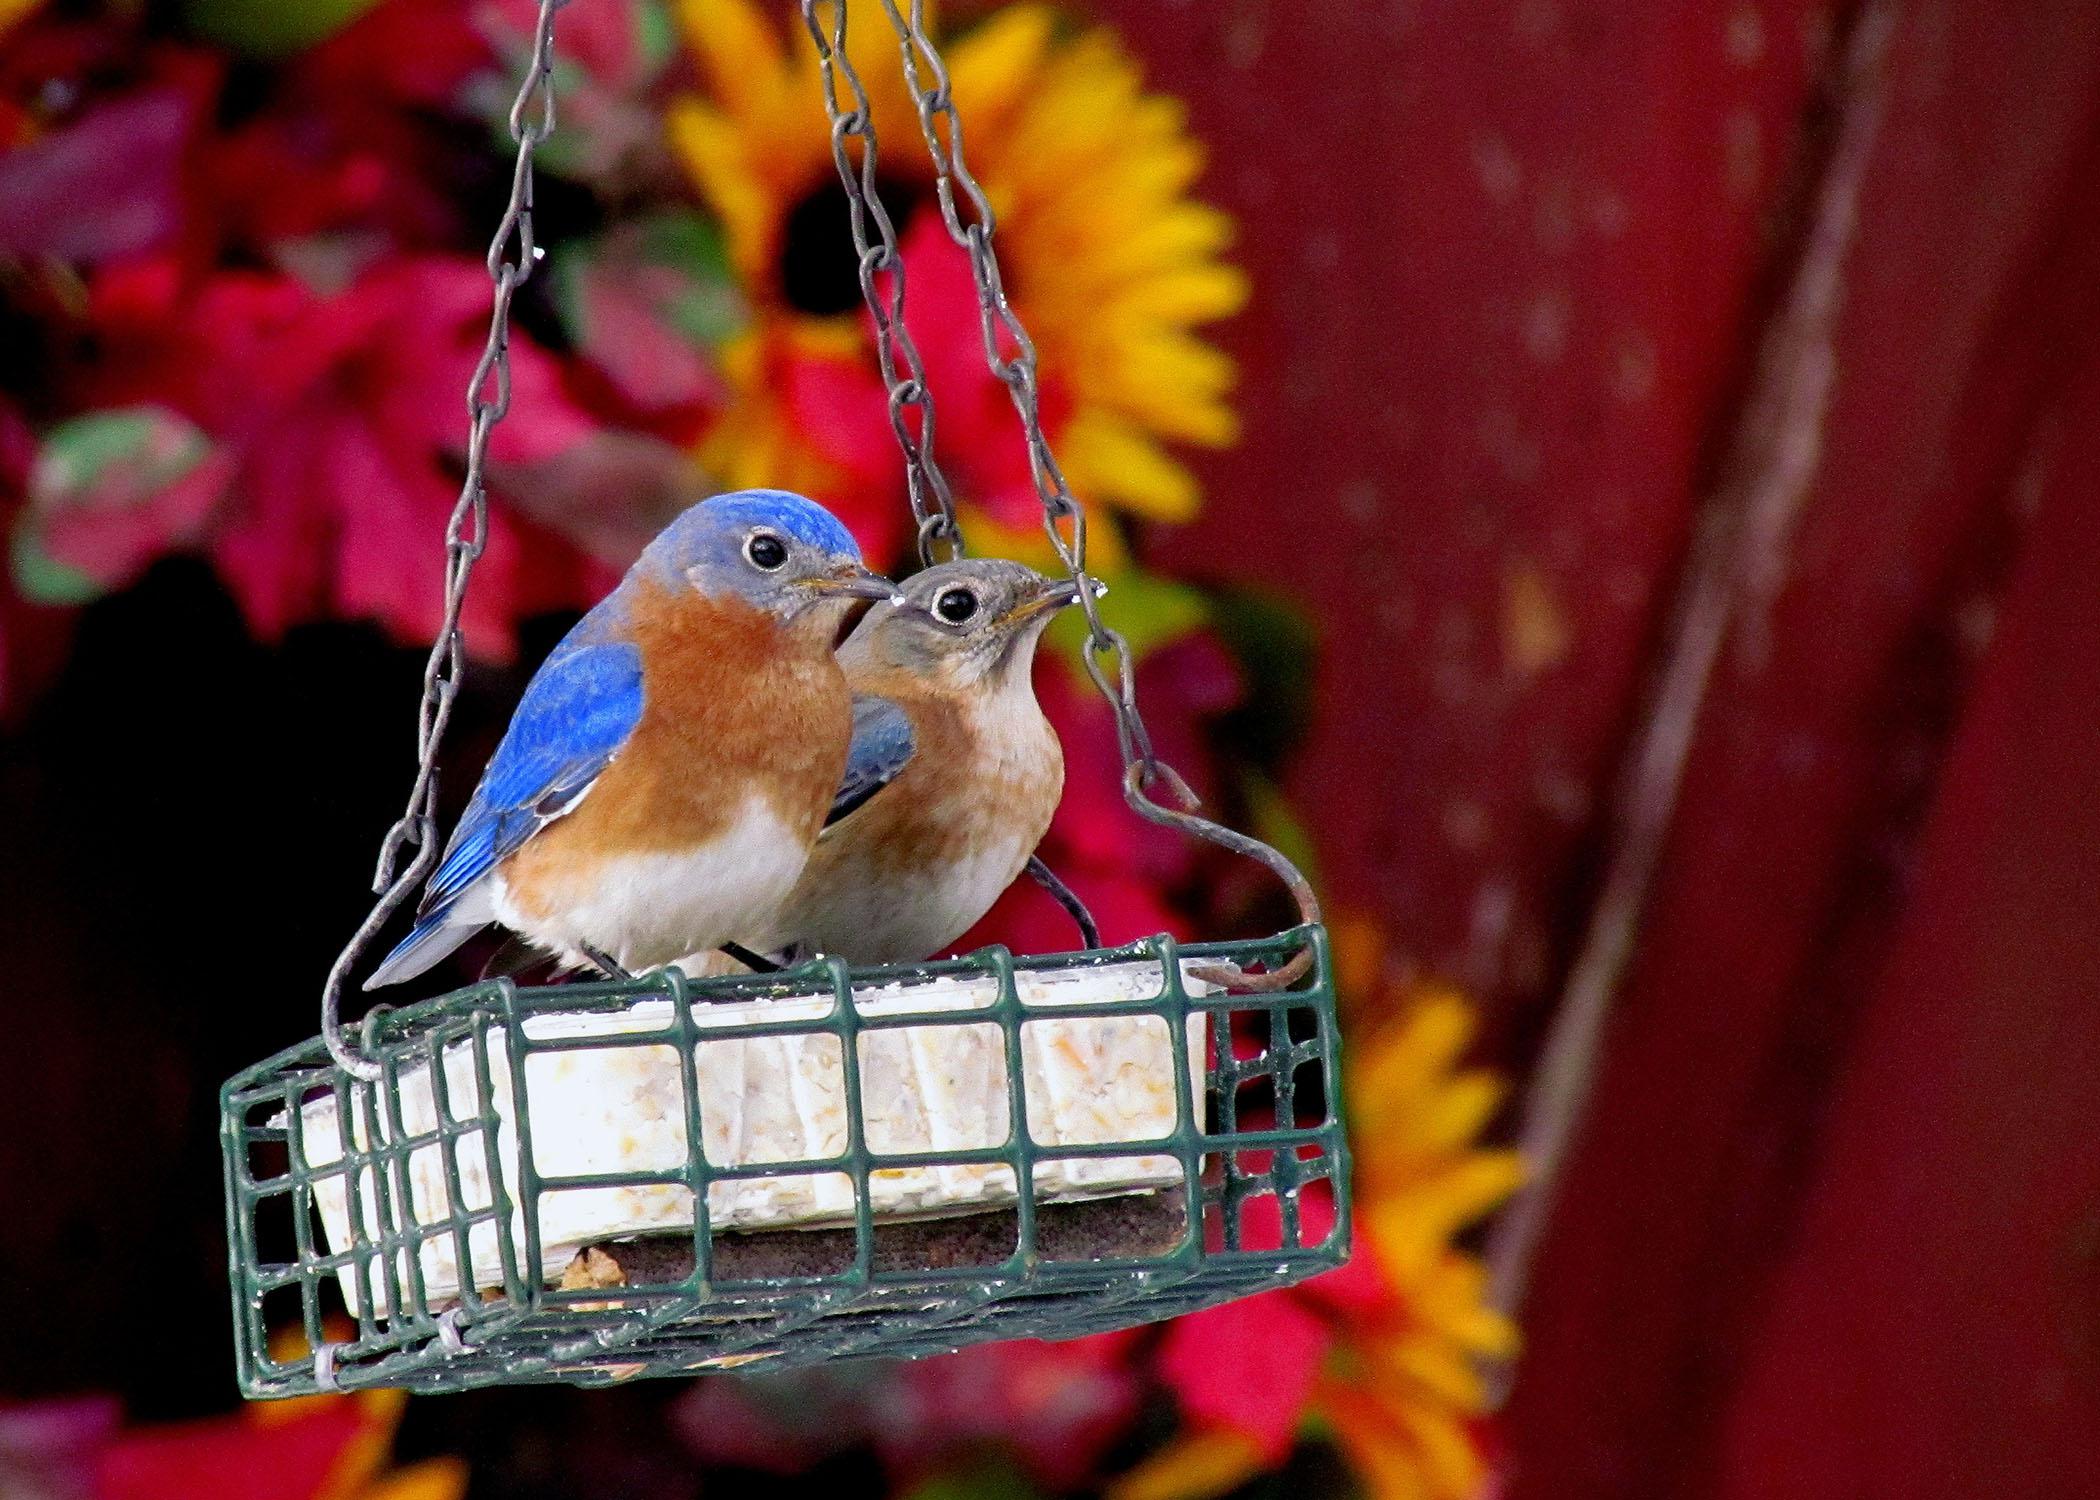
776,551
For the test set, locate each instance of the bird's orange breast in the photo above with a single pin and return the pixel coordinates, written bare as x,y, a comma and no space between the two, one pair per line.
734,707
966,788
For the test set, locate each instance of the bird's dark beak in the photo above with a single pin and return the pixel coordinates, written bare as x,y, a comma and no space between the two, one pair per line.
853,582
1052,595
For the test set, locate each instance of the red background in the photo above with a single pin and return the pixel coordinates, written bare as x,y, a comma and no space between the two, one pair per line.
1832,1225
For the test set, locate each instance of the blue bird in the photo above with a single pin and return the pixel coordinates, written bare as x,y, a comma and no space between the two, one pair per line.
671,763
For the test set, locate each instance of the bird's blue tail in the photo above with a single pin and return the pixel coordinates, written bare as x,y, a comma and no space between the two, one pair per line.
435,937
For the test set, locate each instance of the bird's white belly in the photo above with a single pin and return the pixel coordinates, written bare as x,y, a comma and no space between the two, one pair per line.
888,916
648,909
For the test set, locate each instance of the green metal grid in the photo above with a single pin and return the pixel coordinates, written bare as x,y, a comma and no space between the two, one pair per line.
285,1275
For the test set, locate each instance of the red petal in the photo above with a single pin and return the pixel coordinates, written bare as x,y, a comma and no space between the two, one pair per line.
107,185
1249,1365
288,1460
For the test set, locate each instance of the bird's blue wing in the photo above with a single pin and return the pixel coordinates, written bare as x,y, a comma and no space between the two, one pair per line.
882,746
578,711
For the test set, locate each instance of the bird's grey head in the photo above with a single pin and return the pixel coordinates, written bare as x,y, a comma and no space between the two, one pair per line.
774,550
960,623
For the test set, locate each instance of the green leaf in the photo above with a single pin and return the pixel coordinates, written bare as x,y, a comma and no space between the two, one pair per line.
676,259
272,28
1149,610
109,492
710,307
656,35
115,458
156,446
1272,819
1277,647
42,579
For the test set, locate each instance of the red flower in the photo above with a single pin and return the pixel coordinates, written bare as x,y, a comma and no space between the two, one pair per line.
345,141
118,149
1251,1366
312,167
981,443
316,1448
339,422
93,169
401,54
288,1460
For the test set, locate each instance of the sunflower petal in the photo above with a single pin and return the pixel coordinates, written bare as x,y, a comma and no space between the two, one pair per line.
1175,383
1409,1053
1108,263
433,1479
1191,294
714,151
990,71
1195,1465
1105,455
739,52
1418,1215
1447,1455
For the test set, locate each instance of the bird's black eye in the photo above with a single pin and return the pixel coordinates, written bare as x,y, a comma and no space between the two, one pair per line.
955,605
766,551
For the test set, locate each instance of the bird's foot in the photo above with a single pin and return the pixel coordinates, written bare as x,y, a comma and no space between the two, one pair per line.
757,963
606,964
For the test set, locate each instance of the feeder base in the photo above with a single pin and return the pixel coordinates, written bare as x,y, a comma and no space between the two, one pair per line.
1105,1229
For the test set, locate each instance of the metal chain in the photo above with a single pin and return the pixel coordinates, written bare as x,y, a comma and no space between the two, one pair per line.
511,258
881,267
881,262
1010,355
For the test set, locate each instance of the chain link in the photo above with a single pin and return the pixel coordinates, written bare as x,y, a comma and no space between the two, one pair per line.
511,258
1010,355
881,267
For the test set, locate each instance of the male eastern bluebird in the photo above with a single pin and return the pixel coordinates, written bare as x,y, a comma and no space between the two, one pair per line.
672,761
953,773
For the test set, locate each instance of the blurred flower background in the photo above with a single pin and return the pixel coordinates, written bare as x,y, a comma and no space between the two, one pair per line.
1607,485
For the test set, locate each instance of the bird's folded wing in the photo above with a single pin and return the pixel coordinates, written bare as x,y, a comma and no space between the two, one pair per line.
882,746
577,713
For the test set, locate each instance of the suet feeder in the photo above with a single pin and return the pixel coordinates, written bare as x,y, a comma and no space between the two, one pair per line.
592,1182
1092,1171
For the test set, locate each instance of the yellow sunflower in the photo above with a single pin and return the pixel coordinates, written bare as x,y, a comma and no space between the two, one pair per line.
1405,1391
1108,262
1399,1389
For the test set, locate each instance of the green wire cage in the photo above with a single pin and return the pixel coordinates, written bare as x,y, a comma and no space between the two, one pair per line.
443,1235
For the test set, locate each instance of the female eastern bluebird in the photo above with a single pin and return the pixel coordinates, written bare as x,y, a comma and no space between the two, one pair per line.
671,762
953,773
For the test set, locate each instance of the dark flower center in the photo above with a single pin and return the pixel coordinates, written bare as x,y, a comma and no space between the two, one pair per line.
819,269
